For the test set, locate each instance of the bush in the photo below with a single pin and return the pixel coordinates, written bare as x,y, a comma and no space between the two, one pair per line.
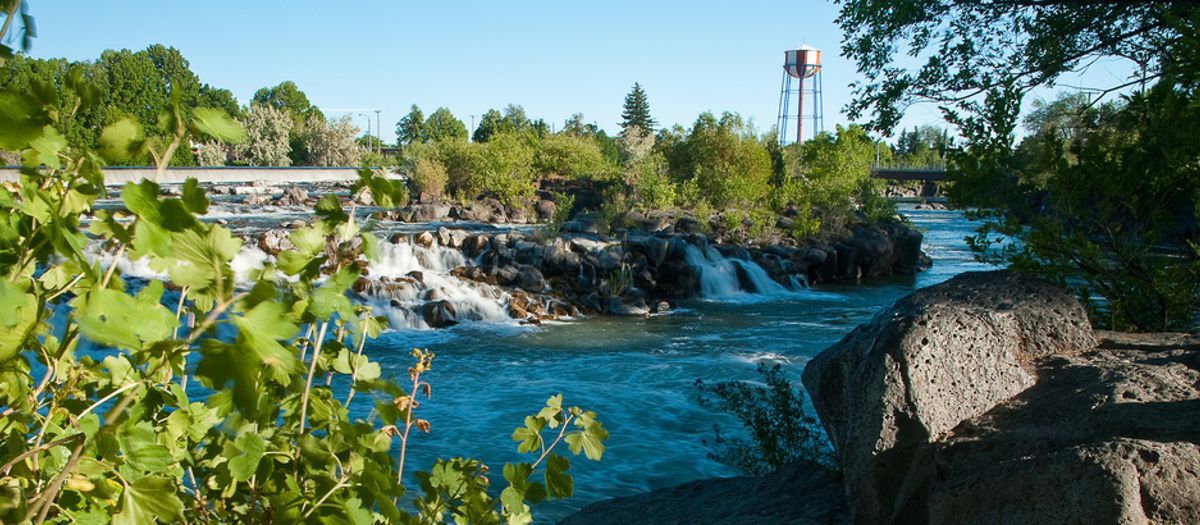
773,416
652,186
109,430
571,157
428,176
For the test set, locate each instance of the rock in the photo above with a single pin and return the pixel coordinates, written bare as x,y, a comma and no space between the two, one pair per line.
545,210
439,314
257,200
661,307
616,306
451,237
476,244
274,241
1109,436
416,276
937,357
251,190
424,239
529,279
504,275
429,212
582,223
796,493
292,196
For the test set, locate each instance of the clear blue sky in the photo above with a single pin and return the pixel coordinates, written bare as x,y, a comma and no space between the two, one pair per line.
553,58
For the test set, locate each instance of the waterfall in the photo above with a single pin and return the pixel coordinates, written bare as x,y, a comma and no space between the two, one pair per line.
719,275
412,285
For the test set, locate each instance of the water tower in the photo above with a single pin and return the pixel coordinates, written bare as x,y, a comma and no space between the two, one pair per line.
798,65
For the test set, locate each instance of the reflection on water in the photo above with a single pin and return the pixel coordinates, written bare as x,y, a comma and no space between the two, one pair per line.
638,373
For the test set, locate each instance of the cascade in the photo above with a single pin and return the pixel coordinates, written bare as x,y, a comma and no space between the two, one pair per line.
719,274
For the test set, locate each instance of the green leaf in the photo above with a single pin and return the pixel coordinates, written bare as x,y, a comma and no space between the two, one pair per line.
552,411
330,209
45,149
331,298
589,440
217,124
141,449
558,483
194,197
121,140
261,328
529,437
18,317
22,119
148,499
251,446
111,318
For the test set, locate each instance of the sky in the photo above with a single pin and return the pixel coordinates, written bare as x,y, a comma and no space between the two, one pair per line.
552,58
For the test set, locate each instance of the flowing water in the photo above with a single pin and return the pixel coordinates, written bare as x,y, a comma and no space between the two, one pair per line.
638,374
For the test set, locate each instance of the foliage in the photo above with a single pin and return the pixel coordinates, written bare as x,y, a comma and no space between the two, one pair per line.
411,128
287,96
652,186
729,165
111,431
428,175
563,204
963,50
211,154
268,136
570,157
512,121
773,415
442,125
1108,201
330,142
501,167
633,144
575,126
829,176
635,112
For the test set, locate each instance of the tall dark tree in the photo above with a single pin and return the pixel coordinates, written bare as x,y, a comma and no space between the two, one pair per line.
636,111
411,128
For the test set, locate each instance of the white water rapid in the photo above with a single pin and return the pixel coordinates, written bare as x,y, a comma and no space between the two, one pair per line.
719,274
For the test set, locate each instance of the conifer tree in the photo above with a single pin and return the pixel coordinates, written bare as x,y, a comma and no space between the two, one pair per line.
636,112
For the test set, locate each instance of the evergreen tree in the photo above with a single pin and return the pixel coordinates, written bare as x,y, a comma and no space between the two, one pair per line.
411,128
637,111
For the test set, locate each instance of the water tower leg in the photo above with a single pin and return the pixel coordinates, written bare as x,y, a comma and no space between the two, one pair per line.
800,113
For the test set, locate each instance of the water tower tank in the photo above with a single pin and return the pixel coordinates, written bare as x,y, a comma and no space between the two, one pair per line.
803,62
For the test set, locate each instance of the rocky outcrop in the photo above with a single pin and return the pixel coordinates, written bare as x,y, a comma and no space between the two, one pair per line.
986,400
796,493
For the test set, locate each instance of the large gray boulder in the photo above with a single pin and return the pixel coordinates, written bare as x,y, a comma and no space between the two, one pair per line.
940,356
1110,436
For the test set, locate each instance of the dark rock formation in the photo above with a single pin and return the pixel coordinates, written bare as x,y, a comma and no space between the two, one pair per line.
797,493
986,400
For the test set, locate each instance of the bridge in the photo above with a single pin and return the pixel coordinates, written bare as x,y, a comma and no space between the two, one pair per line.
928,175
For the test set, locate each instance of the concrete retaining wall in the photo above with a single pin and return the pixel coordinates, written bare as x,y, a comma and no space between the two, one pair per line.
114,176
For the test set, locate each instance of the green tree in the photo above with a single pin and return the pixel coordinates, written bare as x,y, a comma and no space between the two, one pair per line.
288,97
965,50
730,167
569,156
268,137
636,111
330,142
512,120
411,128
442,125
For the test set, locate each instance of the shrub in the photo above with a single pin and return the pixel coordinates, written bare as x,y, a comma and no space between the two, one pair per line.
652,186
428,175
109,430
570,157
773,416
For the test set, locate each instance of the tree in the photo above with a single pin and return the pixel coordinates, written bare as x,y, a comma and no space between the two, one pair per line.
288,97
636,111
411,128
268,132
965,50
442,125
513,120
569,156
330,142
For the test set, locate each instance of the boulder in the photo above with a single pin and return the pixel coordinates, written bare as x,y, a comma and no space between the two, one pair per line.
1110,436
424,239
545,210
439,314
937,357
529,279
292,196
274,241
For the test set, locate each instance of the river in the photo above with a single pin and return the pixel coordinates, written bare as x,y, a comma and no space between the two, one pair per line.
638,374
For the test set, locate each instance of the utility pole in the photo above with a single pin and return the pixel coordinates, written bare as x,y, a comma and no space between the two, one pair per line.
379,130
